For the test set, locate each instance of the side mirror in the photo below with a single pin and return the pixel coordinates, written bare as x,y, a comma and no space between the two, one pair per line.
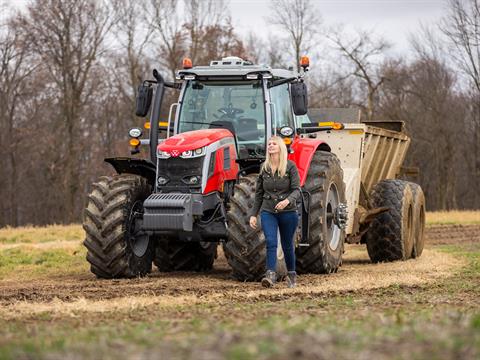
144,99
299,98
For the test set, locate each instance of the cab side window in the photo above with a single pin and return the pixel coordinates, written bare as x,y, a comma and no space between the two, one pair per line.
282,107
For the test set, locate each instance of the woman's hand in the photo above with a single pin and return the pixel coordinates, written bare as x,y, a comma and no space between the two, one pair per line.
282,204
253,222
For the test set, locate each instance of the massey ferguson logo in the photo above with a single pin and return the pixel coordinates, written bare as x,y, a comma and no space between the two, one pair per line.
174,153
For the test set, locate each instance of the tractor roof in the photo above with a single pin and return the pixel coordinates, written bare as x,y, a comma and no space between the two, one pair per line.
235,67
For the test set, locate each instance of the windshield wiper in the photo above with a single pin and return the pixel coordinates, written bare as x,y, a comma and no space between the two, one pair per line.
201,123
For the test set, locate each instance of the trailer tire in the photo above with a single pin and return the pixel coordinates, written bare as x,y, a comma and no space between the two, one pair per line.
245,249
326,240
171,255
115,246
418,220
390,236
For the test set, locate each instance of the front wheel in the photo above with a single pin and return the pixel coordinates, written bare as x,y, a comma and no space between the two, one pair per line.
116,245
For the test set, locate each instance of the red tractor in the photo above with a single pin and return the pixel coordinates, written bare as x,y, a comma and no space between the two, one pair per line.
197,188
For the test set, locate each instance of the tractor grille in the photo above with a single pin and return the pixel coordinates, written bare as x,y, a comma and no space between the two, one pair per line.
178,168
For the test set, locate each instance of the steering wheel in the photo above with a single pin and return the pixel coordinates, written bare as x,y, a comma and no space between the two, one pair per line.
230,111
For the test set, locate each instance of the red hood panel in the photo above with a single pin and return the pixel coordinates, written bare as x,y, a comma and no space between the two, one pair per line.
192,140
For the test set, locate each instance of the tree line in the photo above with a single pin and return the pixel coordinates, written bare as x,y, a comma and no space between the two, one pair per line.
69,72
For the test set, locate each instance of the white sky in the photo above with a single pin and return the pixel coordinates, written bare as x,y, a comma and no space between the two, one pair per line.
394,19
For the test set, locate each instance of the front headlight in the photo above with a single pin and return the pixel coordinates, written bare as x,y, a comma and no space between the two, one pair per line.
163,154
135,132
192,180
194,153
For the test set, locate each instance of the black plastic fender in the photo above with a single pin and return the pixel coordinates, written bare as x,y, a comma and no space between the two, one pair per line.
142,167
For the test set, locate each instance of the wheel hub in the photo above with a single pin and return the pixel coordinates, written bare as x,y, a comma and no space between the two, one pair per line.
335,217
137,237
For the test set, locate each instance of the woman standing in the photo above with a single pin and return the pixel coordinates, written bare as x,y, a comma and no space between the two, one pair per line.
277,191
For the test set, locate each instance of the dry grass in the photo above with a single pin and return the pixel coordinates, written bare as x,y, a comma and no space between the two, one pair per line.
462,217
33,234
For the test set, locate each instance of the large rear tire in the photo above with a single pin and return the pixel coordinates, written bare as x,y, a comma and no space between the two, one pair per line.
418,220
390,236
326,240
171,255
116,247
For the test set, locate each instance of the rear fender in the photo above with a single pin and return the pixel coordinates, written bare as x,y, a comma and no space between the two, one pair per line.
124,165
303,150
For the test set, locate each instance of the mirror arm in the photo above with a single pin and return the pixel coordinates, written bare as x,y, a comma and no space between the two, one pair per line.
173,85
281,82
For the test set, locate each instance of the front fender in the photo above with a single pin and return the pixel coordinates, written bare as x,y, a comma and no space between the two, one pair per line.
144,168
303,150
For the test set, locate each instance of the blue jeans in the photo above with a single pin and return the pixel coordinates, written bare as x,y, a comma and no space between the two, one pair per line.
287,223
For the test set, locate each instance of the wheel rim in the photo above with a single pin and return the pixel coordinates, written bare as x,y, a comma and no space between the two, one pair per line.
137,238
333,231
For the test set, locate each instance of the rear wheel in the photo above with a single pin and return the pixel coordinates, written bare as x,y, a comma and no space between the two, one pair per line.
390,236
173,255
116,246
326,239
418,220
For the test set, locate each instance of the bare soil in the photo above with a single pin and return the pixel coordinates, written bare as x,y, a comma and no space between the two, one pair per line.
82,291
452,234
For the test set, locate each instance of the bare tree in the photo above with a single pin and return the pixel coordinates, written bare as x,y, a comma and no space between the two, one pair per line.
300,20
67,37
14,71
363,51
131,60
168,31
462,28
199,15
219,41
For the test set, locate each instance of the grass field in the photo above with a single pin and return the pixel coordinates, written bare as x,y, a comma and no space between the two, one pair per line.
52,307
453,217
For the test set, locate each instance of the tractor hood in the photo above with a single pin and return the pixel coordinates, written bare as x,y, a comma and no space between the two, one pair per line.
192,140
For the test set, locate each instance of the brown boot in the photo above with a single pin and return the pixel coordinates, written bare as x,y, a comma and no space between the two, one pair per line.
291,279
269,279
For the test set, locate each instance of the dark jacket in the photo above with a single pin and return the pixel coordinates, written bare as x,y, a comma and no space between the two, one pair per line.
271,189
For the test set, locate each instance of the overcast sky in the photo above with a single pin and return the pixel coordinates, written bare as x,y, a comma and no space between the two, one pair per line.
394,19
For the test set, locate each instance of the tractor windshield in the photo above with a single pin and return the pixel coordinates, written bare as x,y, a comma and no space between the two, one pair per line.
234,105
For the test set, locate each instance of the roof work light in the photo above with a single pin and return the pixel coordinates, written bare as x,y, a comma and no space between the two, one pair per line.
187,63
304,62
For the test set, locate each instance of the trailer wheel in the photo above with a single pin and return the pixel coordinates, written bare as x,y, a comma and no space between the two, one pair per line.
171,255
418,220
116,248
245,249
390,236
326,240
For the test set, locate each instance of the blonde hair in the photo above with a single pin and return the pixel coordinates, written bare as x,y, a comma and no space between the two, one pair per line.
282,165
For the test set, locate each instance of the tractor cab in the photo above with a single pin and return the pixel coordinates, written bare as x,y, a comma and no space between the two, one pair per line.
253,102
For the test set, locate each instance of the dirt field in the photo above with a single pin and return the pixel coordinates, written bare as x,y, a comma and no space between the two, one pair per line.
51,306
